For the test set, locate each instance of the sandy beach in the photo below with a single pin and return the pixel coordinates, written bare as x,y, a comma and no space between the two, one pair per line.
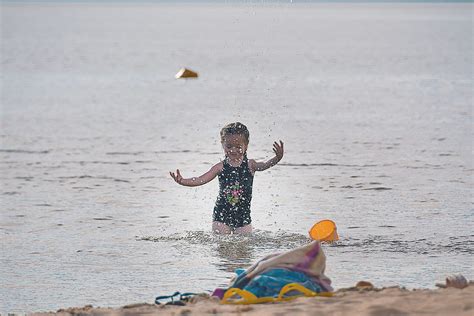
393,301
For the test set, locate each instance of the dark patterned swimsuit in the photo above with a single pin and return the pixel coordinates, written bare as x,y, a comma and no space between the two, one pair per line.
235,194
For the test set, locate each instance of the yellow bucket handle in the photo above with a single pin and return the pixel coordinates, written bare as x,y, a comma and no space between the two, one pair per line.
246,297
295,287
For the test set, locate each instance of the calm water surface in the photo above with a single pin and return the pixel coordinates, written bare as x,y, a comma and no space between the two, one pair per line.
373,102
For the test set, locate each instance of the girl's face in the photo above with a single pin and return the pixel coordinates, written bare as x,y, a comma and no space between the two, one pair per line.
234,146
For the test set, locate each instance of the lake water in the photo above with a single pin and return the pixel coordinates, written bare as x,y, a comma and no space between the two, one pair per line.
373,102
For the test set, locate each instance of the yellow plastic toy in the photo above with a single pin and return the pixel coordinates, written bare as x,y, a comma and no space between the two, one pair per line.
324,230
238,296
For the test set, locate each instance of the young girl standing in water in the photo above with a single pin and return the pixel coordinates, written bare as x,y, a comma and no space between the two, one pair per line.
235,174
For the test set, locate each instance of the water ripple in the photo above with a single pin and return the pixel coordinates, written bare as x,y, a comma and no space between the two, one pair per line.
373,244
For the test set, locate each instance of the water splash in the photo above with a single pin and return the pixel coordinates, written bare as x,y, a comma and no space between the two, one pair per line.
258,239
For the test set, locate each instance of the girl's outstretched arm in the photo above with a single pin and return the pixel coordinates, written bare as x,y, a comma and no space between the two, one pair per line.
194,182
278,150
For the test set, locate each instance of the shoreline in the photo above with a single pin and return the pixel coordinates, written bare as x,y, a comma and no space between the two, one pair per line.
349,301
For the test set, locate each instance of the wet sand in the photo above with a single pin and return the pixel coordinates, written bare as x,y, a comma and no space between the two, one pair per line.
351,301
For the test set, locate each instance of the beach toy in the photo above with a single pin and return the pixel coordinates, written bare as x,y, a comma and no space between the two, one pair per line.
324,230
186,73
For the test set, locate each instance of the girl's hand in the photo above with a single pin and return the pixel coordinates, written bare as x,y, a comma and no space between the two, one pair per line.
278,150
178,178
260,166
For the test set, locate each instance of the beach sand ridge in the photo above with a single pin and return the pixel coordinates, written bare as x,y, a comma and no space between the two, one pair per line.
386,301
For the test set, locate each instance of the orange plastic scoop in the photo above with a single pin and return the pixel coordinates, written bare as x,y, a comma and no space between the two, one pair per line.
324,230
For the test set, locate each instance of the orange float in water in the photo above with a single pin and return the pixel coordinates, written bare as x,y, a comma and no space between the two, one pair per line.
324,230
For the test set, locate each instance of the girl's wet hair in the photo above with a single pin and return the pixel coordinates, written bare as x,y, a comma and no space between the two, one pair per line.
236,128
